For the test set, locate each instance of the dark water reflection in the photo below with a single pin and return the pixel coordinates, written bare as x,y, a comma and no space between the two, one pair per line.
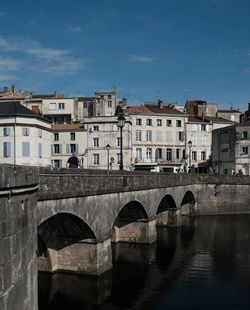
203,265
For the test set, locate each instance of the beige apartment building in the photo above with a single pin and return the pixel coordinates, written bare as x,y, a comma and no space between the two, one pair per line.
158,137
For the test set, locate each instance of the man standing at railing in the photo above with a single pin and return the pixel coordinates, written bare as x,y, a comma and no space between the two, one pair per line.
73,161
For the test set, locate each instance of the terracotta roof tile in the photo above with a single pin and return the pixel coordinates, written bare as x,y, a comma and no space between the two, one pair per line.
67,127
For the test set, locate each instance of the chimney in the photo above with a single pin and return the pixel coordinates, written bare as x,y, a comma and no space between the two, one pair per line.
160,103
13,89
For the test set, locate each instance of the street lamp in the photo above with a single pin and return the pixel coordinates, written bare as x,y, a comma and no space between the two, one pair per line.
108,147
121,122
190,146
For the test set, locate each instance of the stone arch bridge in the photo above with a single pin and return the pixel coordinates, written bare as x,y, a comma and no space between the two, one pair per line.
81,213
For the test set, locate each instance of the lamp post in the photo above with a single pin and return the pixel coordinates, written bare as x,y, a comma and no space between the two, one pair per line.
108,147
190,147
121,122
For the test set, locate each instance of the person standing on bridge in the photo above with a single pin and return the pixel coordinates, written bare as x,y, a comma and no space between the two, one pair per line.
73,161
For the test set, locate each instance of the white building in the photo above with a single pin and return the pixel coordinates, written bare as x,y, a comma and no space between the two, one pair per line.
25,136
158,137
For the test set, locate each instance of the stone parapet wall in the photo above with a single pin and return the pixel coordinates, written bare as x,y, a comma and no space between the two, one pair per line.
18,238
58,183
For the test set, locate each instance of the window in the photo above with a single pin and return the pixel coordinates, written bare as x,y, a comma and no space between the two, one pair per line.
109,103
158,122
56,148
118,141
203,127
159,153
149,153
40,150
6,131
56,136
203,155
244,134
169,123
149,135
96,128
26,149
26,131
181,135
72,136
57,163
96,142
149,122
138,135
96,159
244,150
169,154
61,105
138,121
194,155
40,133
178,123
138,153
178,151
6,149
73,148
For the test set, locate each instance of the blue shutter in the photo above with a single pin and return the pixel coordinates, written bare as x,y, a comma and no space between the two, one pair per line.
26,149
40,150
67,148
6,149
39,132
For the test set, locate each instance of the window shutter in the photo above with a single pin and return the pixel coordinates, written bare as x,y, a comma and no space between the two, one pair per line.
77,148
52,149
67,148
40,151
60,149
26,149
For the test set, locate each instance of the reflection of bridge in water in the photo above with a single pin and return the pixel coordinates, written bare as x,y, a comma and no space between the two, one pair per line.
141,272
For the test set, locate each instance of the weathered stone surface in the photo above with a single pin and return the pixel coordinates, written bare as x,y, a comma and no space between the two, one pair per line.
18,238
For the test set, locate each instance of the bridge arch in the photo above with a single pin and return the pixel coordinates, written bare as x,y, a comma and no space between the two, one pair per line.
188,204
60,236
132,224
166,211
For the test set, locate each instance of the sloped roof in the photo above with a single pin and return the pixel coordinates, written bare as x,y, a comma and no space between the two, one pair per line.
14,108
150,109
67,127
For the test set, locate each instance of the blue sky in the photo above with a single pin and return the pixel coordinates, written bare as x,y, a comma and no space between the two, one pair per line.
148,49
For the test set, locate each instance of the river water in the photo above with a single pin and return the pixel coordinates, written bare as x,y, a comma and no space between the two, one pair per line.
203,265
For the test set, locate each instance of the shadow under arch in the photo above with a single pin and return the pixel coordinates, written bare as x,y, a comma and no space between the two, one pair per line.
166,212
188,204
58,232
131,224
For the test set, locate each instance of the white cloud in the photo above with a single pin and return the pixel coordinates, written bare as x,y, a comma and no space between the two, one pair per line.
140,59
32,56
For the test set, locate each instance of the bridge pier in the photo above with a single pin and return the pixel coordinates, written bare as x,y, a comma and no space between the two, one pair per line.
82,257
174,217
140,231
170,217
189,208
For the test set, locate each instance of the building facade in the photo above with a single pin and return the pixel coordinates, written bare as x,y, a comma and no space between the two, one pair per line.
25,136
